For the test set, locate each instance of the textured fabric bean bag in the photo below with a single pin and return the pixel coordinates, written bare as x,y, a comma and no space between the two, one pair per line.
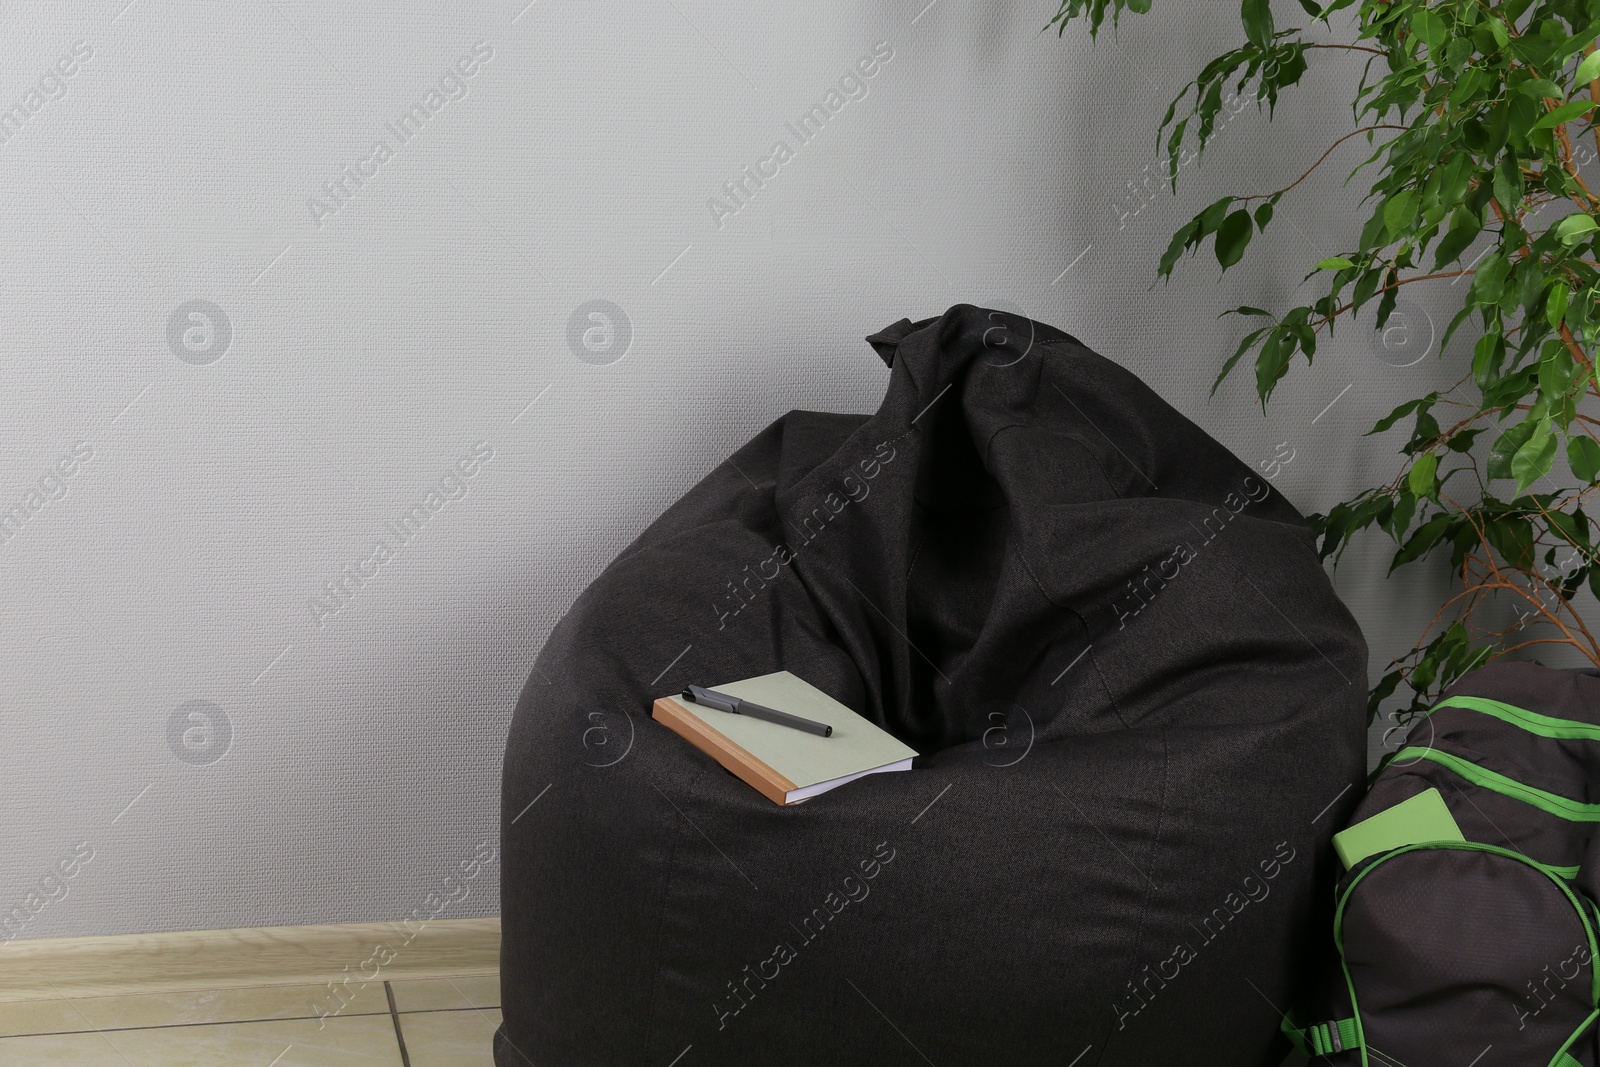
1139,703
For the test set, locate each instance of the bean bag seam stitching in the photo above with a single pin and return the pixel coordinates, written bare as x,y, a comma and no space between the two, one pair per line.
916,549
1028,568
1022,559
661,921
1149,891
1081,440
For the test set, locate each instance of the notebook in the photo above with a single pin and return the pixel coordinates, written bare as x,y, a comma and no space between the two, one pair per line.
785,765
1423,817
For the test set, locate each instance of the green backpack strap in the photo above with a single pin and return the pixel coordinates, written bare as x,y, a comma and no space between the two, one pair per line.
1566,1060
1319,1039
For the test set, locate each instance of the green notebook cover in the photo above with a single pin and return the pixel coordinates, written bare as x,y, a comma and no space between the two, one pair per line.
814,764
1422,818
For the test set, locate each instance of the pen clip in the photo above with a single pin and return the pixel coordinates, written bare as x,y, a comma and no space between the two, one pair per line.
696,694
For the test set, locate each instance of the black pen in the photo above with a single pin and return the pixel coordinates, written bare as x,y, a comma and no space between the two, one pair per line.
723,702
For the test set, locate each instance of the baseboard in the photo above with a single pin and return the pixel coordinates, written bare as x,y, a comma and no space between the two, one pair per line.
221,959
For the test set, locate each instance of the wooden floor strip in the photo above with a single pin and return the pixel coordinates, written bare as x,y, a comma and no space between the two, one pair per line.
348,954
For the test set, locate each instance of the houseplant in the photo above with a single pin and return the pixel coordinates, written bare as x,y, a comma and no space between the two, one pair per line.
1479,117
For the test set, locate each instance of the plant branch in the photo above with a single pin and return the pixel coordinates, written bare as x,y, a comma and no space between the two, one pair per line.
1318,163
1353,48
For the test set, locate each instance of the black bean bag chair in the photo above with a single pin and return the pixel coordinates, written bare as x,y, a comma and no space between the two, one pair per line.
1139,703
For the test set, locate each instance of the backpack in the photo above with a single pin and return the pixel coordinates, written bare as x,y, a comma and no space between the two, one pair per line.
1465,922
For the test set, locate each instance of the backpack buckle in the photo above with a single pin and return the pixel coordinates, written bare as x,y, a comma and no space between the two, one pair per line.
1325,1038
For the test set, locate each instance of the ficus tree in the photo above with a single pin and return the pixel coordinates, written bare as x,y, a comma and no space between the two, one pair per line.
1479,118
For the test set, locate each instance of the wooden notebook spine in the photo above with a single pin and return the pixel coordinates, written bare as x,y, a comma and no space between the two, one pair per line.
766,781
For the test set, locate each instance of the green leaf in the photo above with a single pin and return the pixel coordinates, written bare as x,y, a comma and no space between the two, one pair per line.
1424,670
1232,237
1499,128
1244,346
1556,371
1174,142
1464,229
1423,434
1211,217
1469,85
1489,279
1367,284
1555,305
1426,537
1191,234
1575,227
1390,297
1534,458
1572,528
1273,361
1422,479
1541,87
1175,247
1334,263
1487,355
1257,18
1565,113
1583,454
1399,212
1468,307
1400,412
1512,537
1507,182
1429,26
1457,176
1589,69
1525,286
1398,521
1505,448
1504,393
1380,693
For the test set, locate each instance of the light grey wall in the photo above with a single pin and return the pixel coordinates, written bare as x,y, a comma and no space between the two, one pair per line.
376,339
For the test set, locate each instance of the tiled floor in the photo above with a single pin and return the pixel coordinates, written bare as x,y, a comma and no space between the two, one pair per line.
435,1022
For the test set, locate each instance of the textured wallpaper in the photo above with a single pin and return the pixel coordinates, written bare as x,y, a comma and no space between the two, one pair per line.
348,341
